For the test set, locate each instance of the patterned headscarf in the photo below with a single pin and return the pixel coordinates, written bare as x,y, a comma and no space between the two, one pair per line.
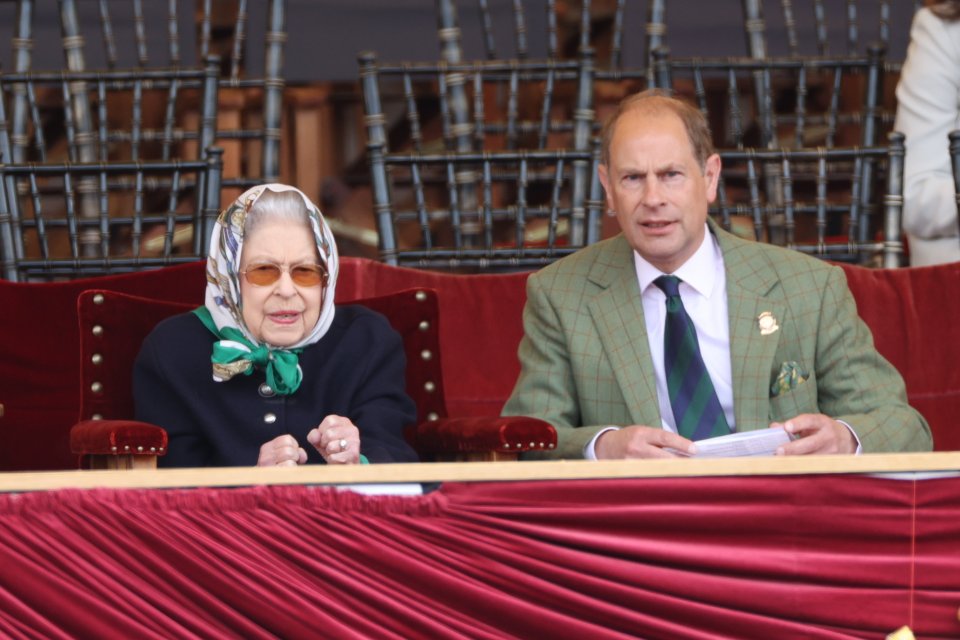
238,351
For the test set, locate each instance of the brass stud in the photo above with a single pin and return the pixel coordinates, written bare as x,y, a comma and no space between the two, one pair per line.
506,445
113,448
96,359
533,445
421,296
126,447
429,387
97,330
97,416
424,325
551,446
96,387
140,449
98,298
432,416
153,449
426,354
542,446
160,449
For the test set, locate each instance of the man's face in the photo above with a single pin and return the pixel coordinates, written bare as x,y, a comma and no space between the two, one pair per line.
656,186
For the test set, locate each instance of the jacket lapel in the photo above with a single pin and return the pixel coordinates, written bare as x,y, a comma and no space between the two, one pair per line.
751,279
617,314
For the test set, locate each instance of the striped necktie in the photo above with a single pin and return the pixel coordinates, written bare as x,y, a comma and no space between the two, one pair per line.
696,409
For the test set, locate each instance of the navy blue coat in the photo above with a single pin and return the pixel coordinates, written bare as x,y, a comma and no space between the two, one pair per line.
356,370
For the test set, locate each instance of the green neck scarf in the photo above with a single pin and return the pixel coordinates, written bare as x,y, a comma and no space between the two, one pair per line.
234,354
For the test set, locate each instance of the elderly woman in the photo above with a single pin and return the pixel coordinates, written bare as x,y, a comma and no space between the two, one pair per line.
269,371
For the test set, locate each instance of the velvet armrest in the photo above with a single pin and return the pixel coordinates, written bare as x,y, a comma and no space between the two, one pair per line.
504,435
117,438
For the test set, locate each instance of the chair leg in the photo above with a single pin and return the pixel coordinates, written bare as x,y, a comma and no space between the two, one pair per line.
122,462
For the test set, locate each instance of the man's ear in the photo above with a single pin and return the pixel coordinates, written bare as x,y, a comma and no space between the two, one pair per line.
605,182
711,175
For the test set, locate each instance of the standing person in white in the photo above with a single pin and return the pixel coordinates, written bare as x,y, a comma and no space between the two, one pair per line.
928,108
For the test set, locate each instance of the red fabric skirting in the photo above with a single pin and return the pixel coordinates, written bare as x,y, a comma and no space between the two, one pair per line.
759,557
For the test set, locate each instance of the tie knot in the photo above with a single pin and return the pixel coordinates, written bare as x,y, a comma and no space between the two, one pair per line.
670,285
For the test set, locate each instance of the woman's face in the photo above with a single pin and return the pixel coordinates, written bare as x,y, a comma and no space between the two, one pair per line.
283,313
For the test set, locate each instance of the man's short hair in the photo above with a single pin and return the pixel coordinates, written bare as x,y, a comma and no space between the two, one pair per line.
655,101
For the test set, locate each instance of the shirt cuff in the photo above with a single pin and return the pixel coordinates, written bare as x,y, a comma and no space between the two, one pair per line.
854,434
589,449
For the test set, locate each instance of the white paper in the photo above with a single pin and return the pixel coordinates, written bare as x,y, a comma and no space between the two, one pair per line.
385,489
761,442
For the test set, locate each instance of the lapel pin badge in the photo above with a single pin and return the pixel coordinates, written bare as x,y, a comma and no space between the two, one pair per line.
768,323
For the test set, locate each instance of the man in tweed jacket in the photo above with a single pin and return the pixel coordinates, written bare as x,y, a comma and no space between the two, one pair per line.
779,330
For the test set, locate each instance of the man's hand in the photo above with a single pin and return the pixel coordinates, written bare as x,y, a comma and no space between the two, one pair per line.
640,442
816,434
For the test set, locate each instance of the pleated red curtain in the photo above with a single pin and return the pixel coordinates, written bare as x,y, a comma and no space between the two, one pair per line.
759,557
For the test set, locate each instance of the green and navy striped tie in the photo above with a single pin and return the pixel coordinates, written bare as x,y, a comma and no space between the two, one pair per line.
696,409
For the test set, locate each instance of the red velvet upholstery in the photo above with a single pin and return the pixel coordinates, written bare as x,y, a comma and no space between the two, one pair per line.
107,437
113,325
479,334
911,313
909,310
40,362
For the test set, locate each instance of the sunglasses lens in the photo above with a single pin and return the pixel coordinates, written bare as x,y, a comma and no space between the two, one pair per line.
304,275
263,274
307,275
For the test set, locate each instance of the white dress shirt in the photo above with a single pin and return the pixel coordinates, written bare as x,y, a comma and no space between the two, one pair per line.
703,290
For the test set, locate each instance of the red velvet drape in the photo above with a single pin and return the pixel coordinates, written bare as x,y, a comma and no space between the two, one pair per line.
758,557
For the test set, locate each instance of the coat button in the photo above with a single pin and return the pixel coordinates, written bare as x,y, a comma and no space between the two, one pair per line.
266,390
269,418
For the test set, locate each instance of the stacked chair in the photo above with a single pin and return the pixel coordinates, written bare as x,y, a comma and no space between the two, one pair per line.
491,168
100,190
809,158
491,163
866,24
169,121
251,86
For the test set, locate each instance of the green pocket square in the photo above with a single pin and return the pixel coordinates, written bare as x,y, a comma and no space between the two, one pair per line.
791,375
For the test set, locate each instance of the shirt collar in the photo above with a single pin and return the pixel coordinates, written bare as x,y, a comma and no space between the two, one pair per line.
699,271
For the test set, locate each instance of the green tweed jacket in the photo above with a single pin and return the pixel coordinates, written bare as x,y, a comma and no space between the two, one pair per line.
585,358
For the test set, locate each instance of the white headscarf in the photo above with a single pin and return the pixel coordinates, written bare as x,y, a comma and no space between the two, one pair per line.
223,299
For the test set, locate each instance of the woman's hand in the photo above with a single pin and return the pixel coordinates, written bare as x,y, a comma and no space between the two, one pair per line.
282,451
337,439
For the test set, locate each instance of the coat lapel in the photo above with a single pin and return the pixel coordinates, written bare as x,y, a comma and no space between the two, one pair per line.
751,279
617,314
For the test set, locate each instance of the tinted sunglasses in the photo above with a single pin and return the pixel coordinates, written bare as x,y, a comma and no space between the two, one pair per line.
304,275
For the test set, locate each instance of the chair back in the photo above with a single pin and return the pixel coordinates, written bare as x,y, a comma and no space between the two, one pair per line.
128,115
113,325
954,137
793,102
251,83
819,201
804,27
481,165
66,220
478,105
556,30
